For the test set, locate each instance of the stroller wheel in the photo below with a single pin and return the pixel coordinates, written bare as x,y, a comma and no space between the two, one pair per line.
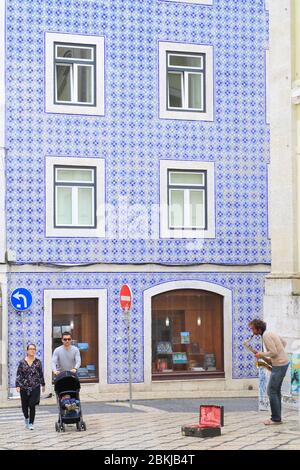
83,426
63,427
78,427
57,428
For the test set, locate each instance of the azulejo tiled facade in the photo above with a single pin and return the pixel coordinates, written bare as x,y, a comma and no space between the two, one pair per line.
247,292
132,140
131,137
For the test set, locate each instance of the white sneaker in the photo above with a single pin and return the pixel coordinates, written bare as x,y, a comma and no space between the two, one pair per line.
31,427
26,420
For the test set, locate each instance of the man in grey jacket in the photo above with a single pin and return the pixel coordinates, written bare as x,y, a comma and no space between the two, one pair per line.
66,357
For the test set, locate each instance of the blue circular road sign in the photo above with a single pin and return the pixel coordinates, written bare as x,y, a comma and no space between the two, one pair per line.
21,299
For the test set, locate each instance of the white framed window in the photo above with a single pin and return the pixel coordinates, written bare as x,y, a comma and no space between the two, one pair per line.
186,81
187,199
75,197
74,74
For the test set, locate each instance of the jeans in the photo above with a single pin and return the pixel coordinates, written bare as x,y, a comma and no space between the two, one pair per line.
274,390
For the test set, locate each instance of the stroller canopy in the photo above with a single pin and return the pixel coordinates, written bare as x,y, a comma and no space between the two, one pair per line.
66,381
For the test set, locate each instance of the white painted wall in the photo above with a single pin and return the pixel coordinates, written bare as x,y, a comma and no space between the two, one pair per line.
283,170
282,286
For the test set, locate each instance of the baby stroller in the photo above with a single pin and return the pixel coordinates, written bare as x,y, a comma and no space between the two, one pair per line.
68,383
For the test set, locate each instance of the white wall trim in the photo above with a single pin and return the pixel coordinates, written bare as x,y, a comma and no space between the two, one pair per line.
209,81
267,85
50,106
188,284
2,73
3,339
101,295
2,205
2,130
196,2
165,232
52,231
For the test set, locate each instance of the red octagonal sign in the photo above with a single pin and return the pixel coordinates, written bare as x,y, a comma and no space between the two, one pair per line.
125,297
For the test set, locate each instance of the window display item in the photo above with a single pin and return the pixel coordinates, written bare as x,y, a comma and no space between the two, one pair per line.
161,365
82,372
66,328
185,337
211,418
209,362
91,370
195,348
164,347
180,358
56,332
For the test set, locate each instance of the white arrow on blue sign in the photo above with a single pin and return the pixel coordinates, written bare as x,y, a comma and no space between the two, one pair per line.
21,299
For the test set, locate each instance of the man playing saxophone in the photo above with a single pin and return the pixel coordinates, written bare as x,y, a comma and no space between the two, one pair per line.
273,348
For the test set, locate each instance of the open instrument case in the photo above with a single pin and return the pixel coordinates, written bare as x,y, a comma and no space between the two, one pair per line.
211,418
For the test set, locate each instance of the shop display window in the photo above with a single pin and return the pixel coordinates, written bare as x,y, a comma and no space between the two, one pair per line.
187,333
80,318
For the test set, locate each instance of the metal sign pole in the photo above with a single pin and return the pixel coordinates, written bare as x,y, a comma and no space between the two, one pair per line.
127,313
23,332
299,407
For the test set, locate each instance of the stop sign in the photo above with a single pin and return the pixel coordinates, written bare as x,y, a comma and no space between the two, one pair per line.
125,297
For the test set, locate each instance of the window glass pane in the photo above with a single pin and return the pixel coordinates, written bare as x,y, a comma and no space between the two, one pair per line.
196,208
85,206
63,206
74,52
63,82
187,332
186,178
84,84
73,174
175,92
79,316
185,61
195,90
176,208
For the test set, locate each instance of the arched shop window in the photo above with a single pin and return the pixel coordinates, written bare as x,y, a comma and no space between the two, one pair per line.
187,334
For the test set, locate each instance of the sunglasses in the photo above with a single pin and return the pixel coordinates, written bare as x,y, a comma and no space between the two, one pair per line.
67,339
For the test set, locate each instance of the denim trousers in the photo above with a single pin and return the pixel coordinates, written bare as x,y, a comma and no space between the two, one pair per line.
274,390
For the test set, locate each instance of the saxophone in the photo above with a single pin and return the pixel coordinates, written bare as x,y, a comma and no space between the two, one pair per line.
262,361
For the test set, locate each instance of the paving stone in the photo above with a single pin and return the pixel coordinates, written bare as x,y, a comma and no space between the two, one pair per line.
151,430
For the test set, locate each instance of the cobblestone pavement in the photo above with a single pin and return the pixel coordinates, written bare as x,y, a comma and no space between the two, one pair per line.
147,428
